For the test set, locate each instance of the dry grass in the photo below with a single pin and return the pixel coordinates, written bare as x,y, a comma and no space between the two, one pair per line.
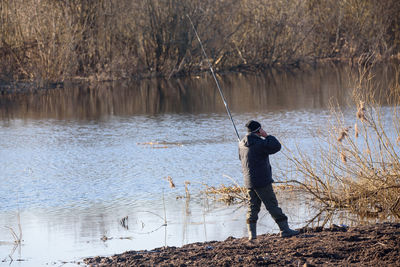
232,194
236,194
161,144
358,169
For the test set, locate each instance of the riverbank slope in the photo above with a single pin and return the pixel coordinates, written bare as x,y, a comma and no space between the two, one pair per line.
369,245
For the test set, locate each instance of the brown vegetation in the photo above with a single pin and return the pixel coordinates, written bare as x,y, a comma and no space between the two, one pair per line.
358,171
228,194
353,168
103,40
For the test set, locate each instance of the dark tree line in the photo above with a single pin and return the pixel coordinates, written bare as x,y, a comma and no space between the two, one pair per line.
52,40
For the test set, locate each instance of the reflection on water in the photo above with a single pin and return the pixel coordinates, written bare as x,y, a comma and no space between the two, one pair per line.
55,235
74,162
271,91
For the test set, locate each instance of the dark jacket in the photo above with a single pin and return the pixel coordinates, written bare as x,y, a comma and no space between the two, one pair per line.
254,154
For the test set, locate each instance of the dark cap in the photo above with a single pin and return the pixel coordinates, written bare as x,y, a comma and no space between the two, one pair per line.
253,126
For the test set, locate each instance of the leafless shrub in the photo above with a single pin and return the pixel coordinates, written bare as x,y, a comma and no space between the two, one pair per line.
103,40
360,173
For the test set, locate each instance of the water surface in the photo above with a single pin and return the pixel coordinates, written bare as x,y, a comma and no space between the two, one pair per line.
76,161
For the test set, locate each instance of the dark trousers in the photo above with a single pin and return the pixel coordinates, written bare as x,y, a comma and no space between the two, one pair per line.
267,196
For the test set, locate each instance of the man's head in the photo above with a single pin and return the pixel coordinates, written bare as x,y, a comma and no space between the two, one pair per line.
255,127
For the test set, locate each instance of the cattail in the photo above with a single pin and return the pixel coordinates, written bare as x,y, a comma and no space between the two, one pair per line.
171,183
343,134
187,189
361,112
355,130
343,157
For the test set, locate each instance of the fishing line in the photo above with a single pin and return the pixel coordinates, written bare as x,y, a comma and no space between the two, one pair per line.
215,78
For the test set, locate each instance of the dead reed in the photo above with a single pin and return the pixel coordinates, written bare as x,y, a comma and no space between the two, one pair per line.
17,239
171,182
232,194
236,194
187,193
358,172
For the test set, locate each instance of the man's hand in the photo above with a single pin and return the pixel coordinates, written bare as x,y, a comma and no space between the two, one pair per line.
263,133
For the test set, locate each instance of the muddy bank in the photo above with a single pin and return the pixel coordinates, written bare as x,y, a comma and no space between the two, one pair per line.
369,245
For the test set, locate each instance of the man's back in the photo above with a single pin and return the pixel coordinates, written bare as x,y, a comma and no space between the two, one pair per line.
254,154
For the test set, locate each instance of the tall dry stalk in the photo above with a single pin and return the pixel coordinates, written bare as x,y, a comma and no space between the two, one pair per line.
358,169
17,238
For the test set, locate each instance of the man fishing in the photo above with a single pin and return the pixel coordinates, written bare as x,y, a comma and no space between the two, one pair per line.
254,151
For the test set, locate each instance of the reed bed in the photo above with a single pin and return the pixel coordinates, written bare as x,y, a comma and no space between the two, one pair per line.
232,194
237,194
356,162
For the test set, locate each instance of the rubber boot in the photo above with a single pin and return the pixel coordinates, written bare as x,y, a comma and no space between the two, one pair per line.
252,229
285,230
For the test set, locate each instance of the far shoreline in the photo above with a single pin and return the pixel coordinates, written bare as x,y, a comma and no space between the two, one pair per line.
16,87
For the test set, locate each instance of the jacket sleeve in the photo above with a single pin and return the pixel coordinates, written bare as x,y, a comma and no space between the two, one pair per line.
271,145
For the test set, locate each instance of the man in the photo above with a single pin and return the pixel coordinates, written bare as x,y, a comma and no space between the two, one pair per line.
254,151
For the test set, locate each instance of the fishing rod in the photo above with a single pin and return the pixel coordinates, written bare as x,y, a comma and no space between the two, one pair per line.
215,78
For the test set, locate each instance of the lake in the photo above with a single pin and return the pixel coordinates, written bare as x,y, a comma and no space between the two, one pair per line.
76,161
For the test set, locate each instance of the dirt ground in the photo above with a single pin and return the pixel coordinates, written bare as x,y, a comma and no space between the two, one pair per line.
370,245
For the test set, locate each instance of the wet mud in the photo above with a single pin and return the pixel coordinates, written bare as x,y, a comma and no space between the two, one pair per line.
368,245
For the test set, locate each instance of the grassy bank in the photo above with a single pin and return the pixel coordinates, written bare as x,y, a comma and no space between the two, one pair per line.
104,40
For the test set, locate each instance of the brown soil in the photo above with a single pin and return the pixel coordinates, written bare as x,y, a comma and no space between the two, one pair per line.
371,245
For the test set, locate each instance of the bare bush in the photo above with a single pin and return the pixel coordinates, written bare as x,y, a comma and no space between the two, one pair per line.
107,40
358,167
